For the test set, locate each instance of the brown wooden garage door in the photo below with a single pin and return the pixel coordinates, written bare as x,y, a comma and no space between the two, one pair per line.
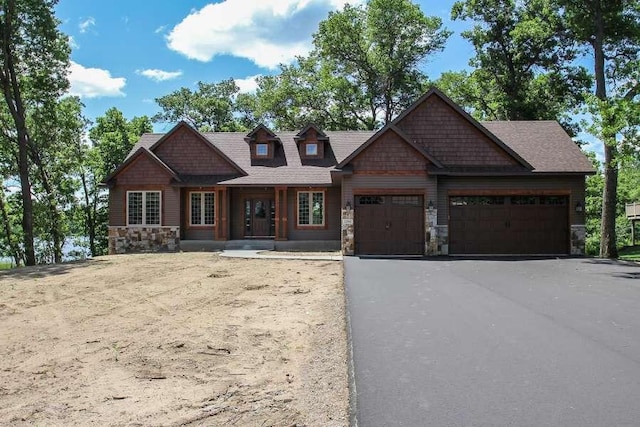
389,225
518,225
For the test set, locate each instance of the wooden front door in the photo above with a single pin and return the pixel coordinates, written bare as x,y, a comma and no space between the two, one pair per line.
259,217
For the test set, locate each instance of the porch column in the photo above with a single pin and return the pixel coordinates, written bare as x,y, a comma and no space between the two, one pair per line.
281,213
222,208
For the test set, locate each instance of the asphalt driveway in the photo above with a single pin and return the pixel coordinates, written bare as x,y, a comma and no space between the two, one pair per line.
457,342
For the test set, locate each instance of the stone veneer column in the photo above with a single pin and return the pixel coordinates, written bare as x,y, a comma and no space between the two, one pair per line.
443,239
431,232
578,239
124,239
347,232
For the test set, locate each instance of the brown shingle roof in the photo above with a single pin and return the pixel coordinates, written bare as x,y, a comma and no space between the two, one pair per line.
234,146
544,144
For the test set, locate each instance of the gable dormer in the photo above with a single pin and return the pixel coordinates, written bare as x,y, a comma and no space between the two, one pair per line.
311,142
263,143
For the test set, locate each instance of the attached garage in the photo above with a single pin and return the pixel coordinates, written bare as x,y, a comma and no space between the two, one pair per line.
509,225
389,225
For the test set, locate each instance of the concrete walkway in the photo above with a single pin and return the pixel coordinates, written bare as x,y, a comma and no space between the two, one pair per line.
260,254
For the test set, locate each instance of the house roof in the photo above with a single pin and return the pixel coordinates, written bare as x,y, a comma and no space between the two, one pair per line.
341,144
140,150
539,146
392,128
544,144
437,92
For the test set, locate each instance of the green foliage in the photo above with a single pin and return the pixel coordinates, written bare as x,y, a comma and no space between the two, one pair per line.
630,253
209,108
609,30
34,59
524,63
628,192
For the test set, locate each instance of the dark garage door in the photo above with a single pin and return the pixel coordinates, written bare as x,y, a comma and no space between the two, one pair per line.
512,225
389,225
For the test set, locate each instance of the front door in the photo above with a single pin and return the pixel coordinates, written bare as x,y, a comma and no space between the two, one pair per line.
259,217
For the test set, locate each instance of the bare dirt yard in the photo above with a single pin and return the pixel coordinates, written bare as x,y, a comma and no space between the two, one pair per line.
174,339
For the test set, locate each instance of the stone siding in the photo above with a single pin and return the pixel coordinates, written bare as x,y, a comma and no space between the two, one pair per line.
431,238
143,239
578,238
347,232
442,237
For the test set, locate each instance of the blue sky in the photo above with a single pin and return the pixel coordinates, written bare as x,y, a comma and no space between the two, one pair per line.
127,53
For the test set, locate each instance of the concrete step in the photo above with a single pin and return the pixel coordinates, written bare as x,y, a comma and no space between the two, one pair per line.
250,245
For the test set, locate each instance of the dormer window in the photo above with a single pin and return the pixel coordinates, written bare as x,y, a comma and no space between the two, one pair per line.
311,149
263,144
311,143
262,150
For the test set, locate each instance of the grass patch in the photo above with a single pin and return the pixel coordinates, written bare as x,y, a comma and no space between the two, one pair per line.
629,253
5,265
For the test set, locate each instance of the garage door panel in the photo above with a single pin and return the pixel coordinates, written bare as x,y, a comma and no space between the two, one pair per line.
389,225
521,225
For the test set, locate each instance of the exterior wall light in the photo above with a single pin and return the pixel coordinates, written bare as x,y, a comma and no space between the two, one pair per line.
348,206
430,205
579,207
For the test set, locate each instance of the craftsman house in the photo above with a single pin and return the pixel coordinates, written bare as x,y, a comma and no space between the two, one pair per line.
432,182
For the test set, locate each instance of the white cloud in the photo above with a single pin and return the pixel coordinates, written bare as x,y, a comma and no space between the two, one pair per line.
94,82
267,32
73,44
159,75
248,85
86,24
160,29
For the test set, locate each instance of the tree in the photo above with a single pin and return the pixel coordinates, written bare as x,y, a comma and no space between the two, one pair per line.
33,61
209,108
524,63
375,52
610,31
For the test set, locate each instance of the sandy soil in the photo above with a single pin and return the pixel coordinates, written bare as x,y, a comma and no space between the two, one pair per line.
174,339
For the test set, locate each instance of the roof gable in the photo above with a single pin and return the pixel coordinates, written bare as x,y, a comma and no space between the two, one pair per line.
319,134
378,135
450,134
152,162
186,149
261,133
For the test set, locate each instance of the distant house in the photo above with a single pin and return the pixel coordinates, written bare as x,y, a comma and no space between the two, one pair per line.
432,182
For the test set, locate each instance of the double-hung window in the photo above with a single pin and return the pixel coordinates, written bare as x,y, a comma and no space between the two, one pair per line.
310,208
143,208
203,208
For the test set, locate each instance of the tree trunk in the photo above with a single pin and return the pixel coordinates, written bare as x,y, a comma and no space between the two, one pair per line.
16,253
89,216
13,98
608,246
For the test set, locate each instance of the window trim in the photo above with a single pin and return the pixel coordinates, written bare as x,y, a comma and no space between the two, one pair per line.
266,145
310,192
144,208
202,208
311,144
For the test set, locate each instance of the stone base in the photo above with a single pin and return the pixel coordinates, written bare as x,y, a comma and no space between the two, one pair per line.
348,247
578,239
442,239
124,239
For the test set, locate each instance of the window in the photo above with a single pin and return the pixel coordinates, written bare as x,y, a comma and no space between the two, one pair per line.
310,208
370,200
143,208
203,208
311,149
262,150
